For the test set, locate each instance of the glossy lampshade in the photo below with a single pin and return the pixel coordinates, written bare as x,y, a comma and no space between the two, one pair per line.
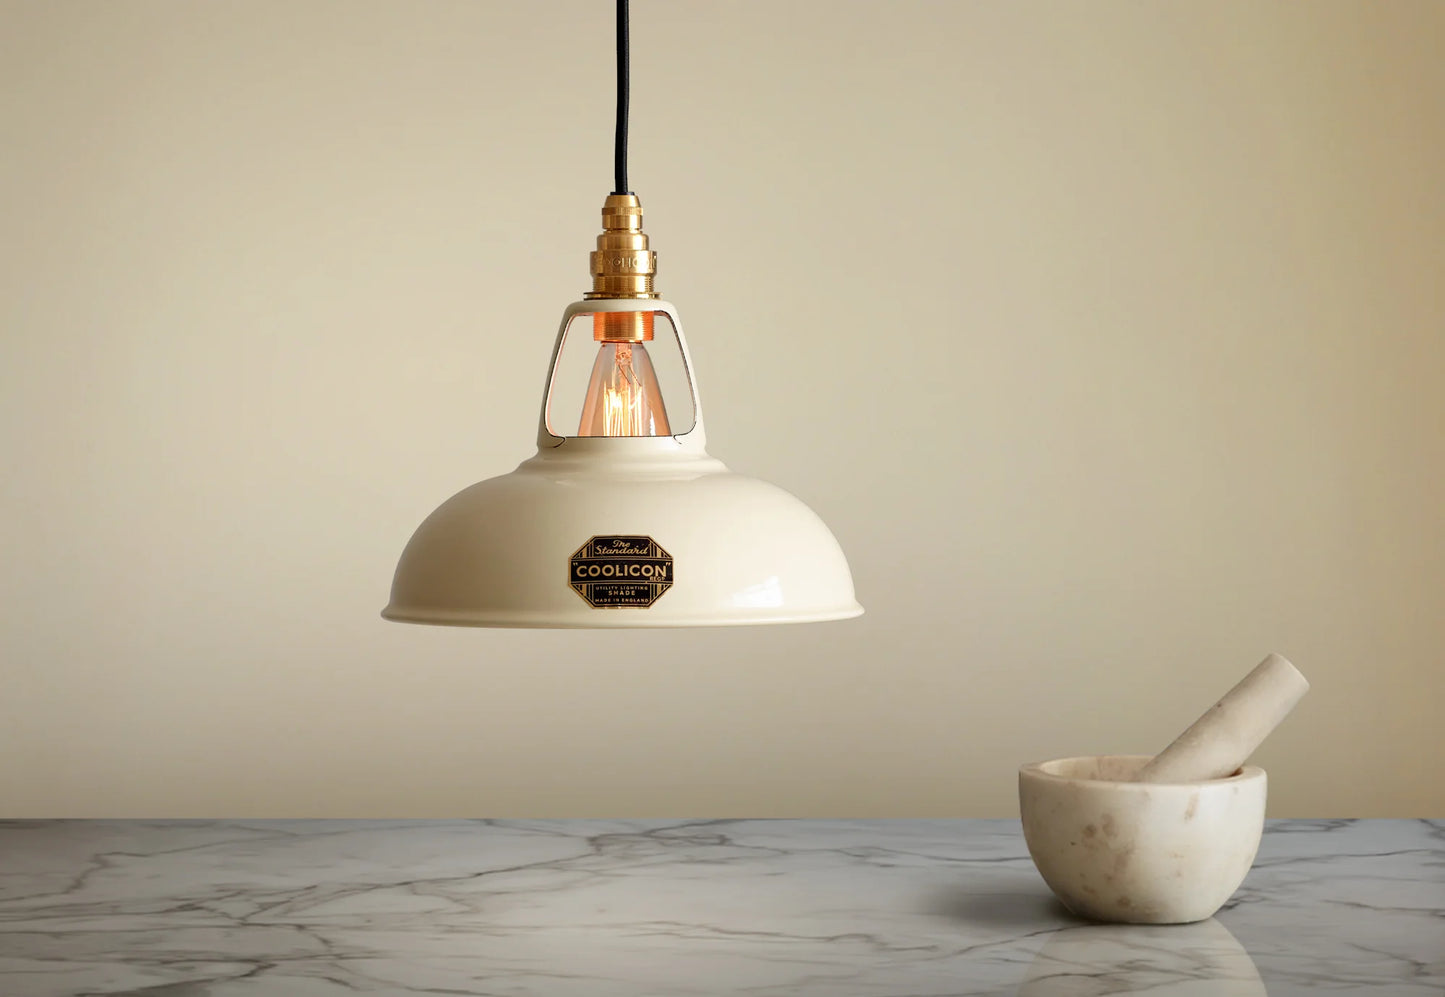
705,547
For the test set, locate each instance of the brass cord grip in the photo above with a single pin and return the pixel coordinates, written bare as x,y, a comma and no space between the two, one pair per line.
622,267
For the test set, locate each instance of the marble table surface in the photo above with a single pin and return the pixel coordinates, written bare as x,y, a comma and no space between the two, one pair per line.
637,908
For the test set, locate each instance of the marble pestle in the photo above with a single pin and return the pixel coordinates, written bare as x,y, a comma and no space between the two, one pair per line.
1220,741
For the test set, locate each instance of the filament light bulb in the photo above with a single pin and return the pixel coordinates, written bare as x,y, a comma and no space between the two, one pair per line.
623,397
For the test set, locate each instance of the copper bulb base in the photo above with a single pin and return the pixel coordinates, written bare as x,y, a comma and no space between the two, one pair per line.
622,327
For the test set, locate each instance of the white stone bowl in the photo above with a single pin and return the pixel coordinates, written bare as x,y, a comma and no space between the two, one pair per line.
1139,853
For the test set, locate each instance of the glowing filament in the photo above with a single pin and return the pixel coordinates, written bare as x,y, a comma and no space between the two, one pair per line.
623,398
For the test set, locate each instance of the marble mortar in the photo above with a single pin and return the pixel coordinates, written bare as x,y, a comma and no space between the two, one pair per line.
1141,853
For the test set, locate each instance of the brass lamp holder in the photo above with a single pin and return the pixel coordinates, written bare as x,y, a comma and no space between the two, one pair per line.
622,267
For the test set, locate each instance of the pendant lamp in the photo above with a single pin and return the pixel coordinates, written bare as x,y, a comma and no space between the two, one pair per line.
621,519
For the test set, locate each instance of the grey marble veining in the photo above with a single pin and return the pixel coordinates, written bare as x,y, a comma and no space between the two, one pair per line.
625,908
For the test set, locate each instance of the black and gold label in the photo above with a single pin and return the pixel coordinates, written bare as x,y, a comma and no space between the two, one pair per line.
614,572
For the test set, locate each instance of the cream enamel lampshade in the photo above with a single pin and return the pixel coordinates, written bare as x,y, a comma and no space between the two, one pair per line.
622,531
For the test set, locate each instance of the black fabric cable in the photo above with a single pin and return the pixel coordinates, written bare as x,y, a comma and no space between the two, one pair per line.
619,146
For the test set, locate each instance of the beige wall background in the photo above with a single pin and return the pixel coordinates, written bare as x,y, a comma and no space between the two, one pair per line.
1109,339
